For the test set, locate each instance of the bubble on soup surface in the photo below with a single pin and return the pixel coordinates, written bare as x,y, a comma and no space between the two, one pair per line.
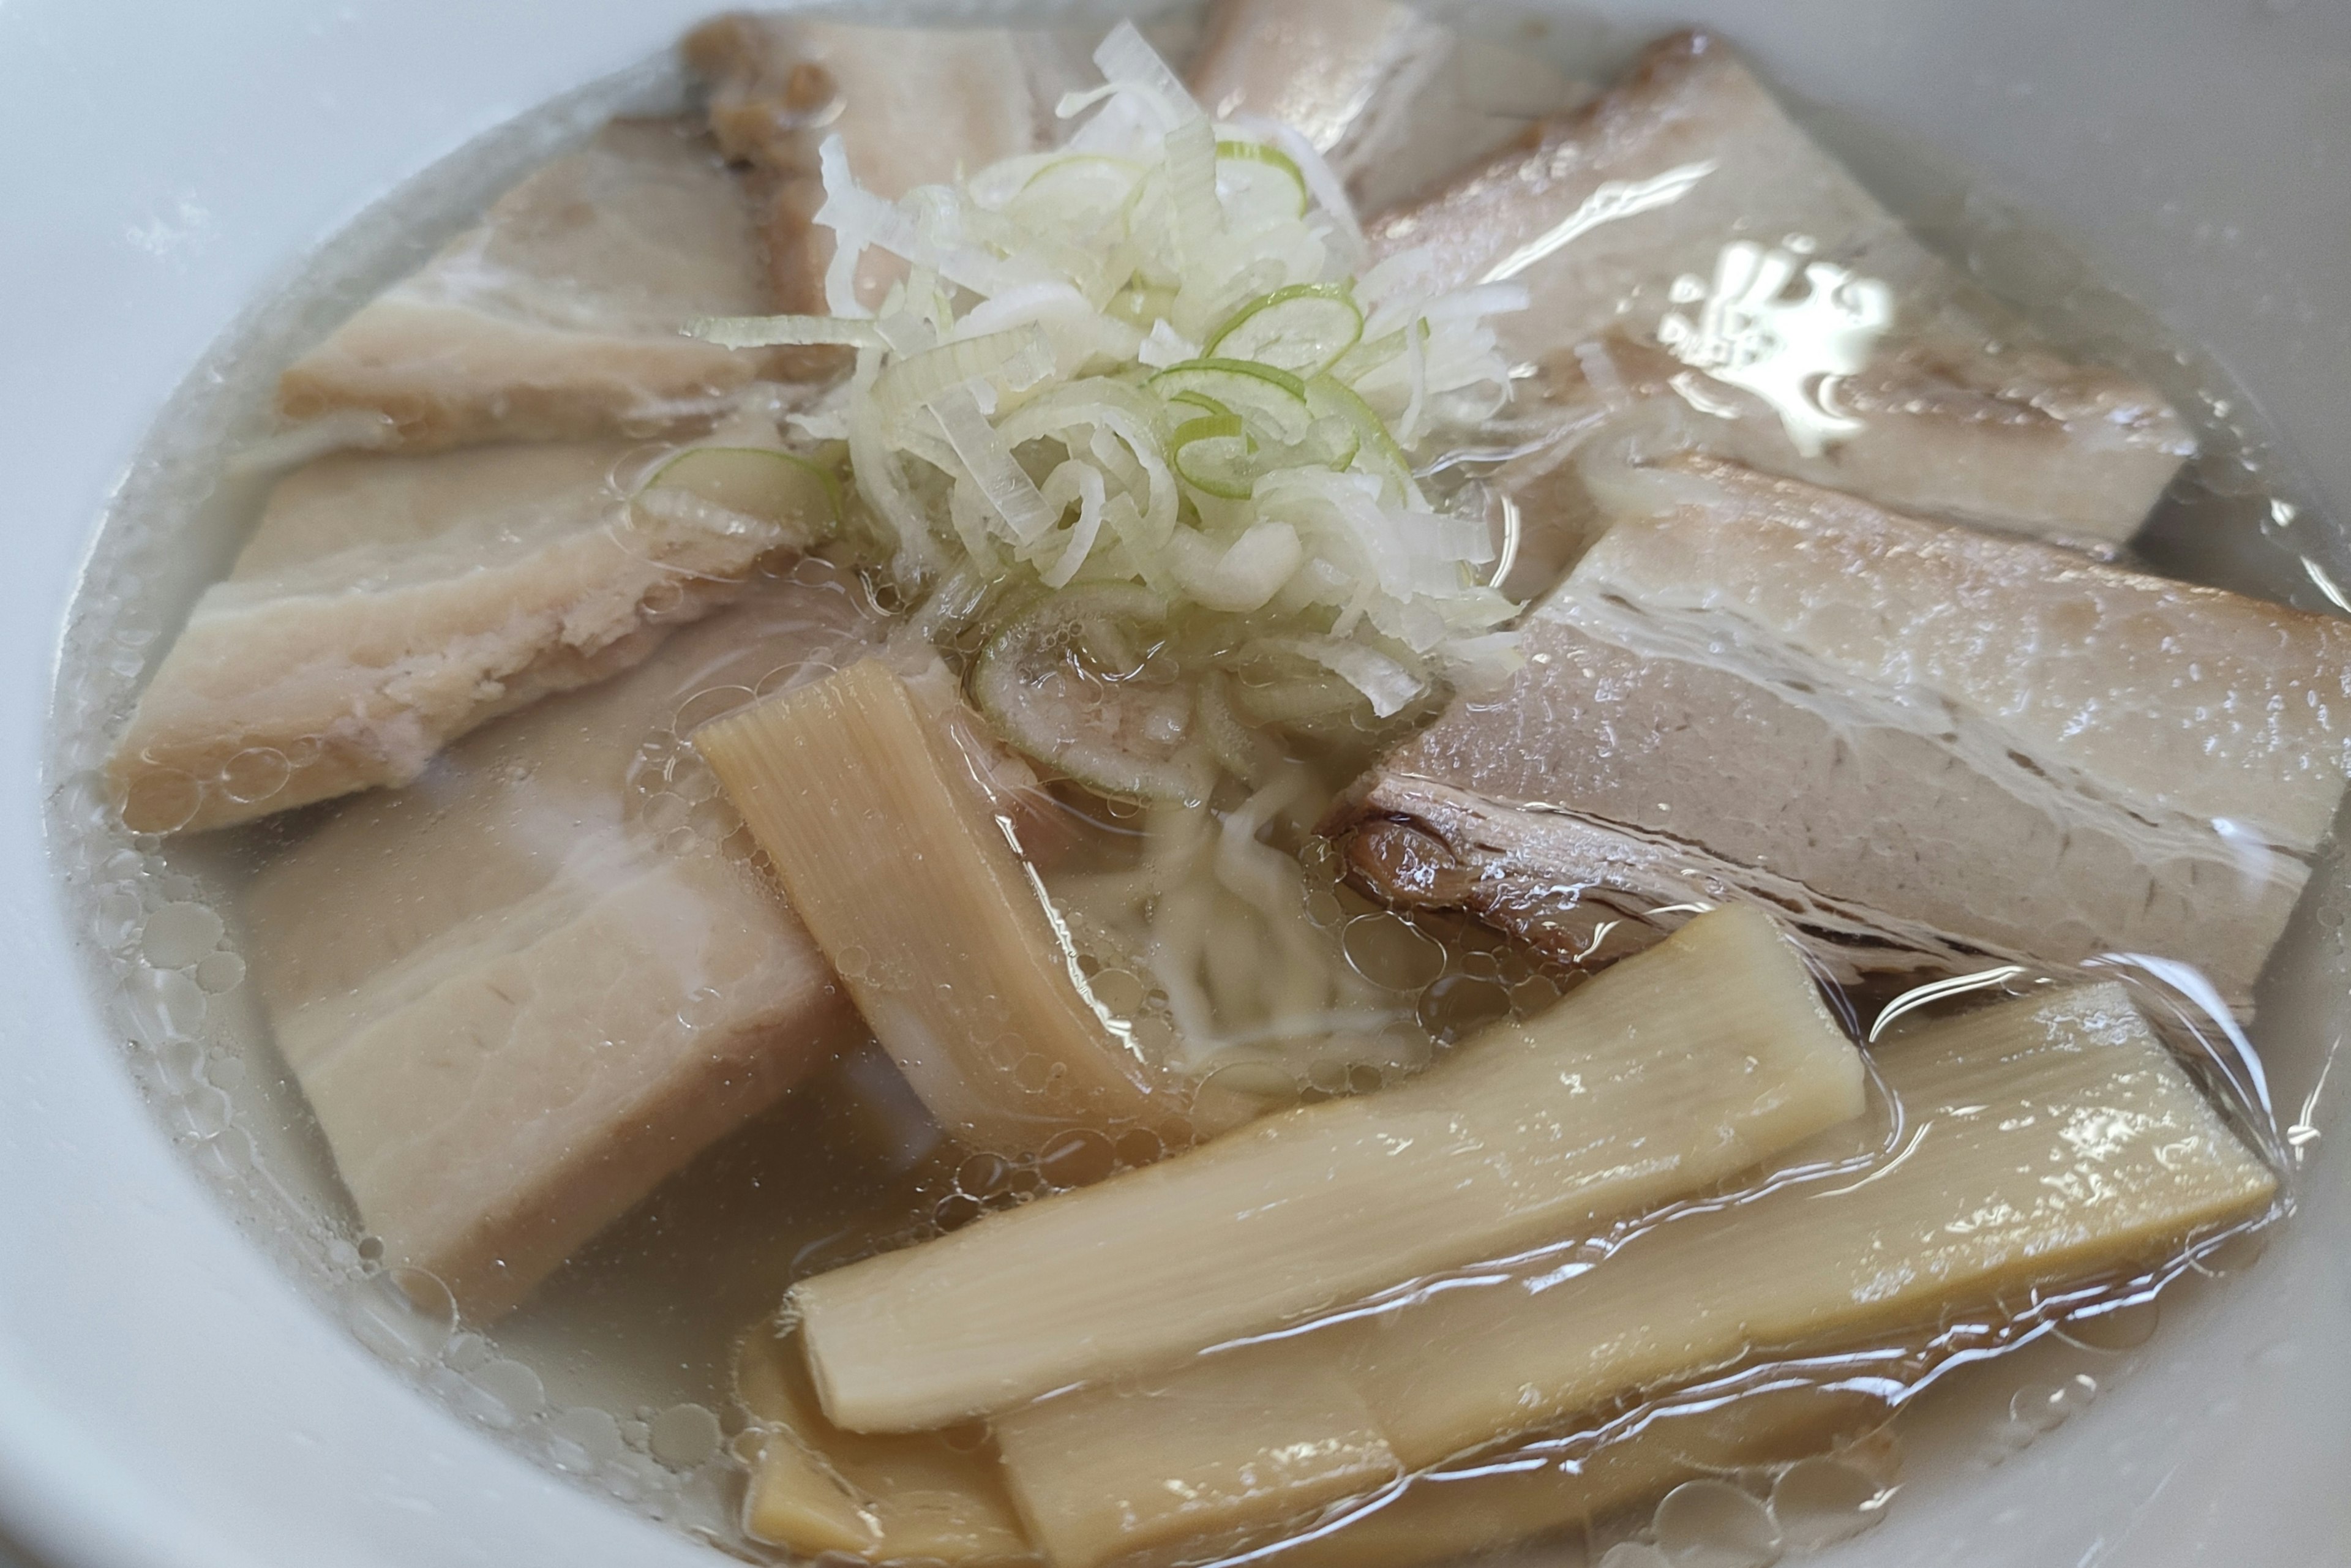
684,1435
1460,1005
180,934
1634,1554
220,973
179,1065
1714,1524
1255,1077
666,812
202,1113
1819,1502
165,1004
121,918
256,774
717,701
162,801
404,1315
584,1438
1392,952
703,1006
504,1392
2041,1408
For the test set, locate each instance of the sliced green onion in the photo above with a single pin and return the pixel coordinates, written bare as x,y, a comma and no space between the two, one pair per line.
1250,176
1268,397
1378,455
1215,454
1385,683
1021,356
754,481
1304,329
1077,192
1241,576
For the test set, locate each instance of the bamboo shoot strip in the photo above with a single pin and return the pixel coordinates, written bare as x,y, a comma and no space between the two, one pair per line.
1231,1437
2047,1140
1667,1073
816,1489
895,859
1500,1502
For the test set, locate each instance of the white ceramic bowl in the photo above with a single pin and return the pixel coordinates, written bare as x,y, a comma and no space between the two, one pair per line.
168,1397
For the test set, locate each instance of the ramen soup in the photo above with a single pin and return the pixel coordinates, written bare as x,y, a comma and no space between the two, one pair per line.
1282,791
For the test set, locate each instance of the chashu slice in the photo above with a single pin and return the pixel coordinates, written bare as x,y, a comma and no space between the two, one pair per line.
1683,239
521,991
557,318
387,604
1930,745
913,106
1393,100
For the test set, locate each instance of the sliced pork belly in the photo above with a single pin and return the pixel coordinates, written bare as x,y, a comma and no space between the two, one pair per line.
558,318
1932,747
913,106
523,990
387,604
1683,239
1391,97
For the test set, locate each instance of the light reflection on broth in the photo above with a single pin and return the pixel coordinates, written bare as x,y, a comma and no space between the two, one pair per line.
1263,949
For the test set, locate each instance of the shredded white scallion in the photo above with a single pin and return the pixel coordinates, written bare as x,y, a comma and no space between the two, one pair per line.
1062,395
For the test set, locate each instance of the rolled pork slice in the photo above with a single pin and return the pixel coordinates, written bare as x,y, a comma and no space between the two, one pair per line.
1392,99
558,318
1932,748
1683,239
913,106
386,605
525,988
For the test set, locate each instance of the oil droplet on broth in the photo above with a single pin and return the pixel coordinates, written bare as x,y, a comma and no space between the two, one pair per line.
684,1435
1820,1501
220,973
256,774
1715,1524
164,1004
2039,1408
180,934
404,1315
1392,952
1634,1554
584,1438
1457,1005
503,1392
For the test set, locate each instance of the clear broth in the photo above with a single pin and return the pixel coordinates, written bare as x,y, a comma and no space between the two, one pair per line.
618,1369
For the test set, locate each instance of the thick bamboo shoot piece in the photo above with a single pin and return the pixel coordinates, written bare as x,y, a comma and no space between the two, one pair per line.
1317,1443
1665,1075
2048,1139
894,854
1501,1501
933,1497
